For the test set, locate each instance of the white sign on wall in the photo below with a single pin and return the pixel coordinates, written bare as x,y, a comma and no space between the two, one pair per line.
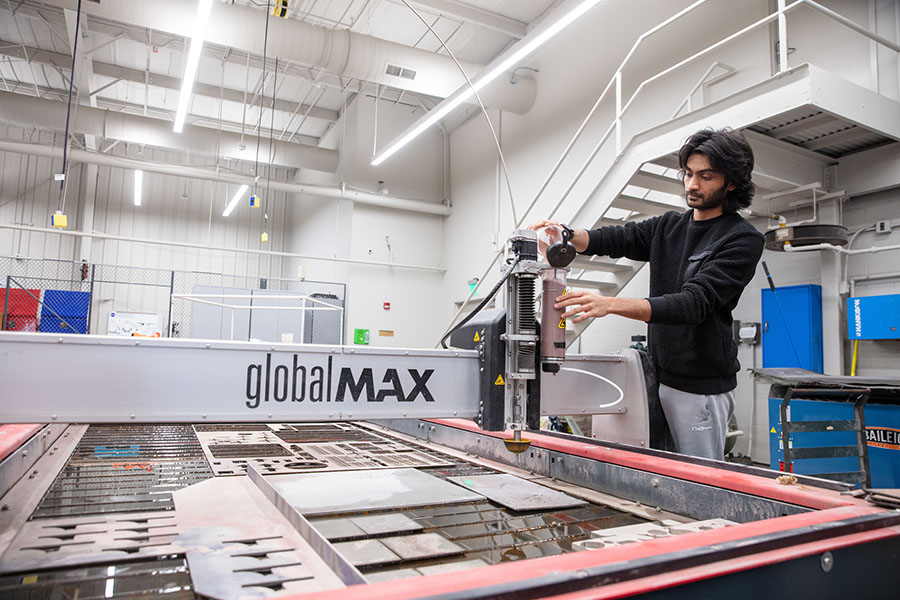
128,324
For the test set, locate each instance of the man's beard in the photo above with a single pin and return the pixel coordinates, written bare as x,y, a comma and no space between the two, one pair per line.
702,202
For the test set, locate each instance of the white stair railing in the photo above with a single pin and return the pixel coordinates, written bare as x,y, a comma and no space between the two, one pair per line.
615,128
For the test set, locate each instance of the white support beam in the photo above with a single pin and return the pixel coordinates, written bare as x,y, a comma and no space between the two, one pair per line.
832,306
473,14
161,81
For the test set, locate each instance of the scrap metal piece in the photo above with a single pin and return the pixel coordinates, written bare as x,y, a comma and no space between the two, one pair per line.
338,529
230,451
452,567
345,571
386,523
361,553
354,491
517,493
380,576
642,532
68,541
244,548
423,545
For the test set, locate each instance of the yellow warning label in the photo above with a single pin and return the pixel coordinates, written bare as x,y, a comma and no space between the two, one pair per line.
499,380
562,323
477,337
773,430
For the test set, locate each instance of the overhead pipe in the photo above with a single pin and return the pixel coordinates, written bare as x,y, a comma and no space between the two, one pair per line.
331,192
340,52
122,238
838,249
28,111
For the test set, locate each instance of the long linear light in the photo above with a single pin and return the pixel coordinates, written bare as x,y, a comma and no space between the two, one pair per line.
482,80
237,198
193,60
138,185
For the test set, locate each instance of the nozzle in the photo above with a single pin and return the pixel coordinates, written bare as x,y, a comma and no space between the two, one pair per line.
517,446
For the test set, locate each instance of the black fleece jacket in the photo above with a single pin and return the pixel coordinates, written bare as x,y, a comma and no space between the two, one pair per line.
698,270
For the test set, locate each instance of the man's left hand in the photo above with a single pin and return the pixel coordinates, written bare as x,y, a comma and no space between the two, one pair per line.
592,305
589,304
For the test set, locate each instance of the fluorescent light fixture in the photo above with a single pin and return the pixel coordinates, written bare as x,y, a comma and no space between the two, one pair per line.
234,201
482,80
138,185
193,60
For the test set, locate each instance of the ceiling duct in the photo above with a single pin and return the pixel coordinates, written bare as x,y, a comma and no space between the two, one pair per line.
332,192
28,112
342,53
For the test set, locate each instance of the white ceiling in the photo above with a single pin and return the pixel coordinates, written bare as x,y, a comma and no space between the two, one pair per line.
138,70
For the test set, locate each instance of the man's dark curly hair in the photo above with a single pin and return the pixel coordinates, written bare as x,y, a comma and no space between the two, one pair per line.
730,154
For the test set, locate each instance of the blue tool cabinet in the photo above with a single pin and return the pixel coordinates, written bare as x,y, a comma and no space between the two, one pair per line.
792,327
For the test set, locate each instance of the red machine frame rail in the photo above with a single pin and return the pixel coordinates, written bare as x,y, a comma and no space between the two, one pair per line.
836,522
13,436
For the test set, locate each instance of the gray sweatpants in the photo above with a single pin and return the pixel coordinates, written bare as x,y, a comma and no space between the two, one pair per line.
698,422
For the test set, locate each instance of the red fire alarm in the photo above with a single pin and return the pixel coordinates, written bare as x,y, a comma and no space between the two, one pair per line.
387,306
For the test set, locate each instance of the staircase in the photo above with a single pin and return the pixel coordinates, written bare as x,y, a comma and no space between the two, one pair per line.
798,121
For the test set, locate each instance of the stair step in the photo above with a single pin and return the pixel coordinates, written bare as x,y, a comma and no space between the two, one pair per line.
645,205
798,127
598,263
669,161
848,135
661,183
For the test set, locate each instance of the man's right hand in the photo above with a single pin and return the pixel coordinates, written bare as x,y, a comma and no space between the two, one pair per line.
543,223
580,237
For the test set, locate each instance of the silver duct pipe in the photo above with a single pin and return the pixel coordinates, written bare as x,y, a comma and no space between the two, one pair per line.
337,193
342,53
122,238
28,111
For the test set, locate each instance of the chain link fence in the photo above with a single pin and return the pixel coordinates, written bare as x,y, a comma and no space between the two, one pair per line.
70,297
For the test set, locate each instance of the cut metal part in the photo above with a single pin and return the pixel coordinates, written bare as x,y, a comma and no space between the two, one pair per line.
69,541
516,493
422,546
631,534
125,468
351,491
346,528
230,452
244,548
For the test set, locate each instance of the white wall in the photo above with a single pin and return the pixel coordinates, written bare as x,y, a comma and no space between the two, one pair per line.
820,40
341,229
28,196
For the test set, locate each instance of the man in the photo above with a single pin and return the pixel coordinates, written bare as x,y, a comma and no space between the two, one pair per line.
700,262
